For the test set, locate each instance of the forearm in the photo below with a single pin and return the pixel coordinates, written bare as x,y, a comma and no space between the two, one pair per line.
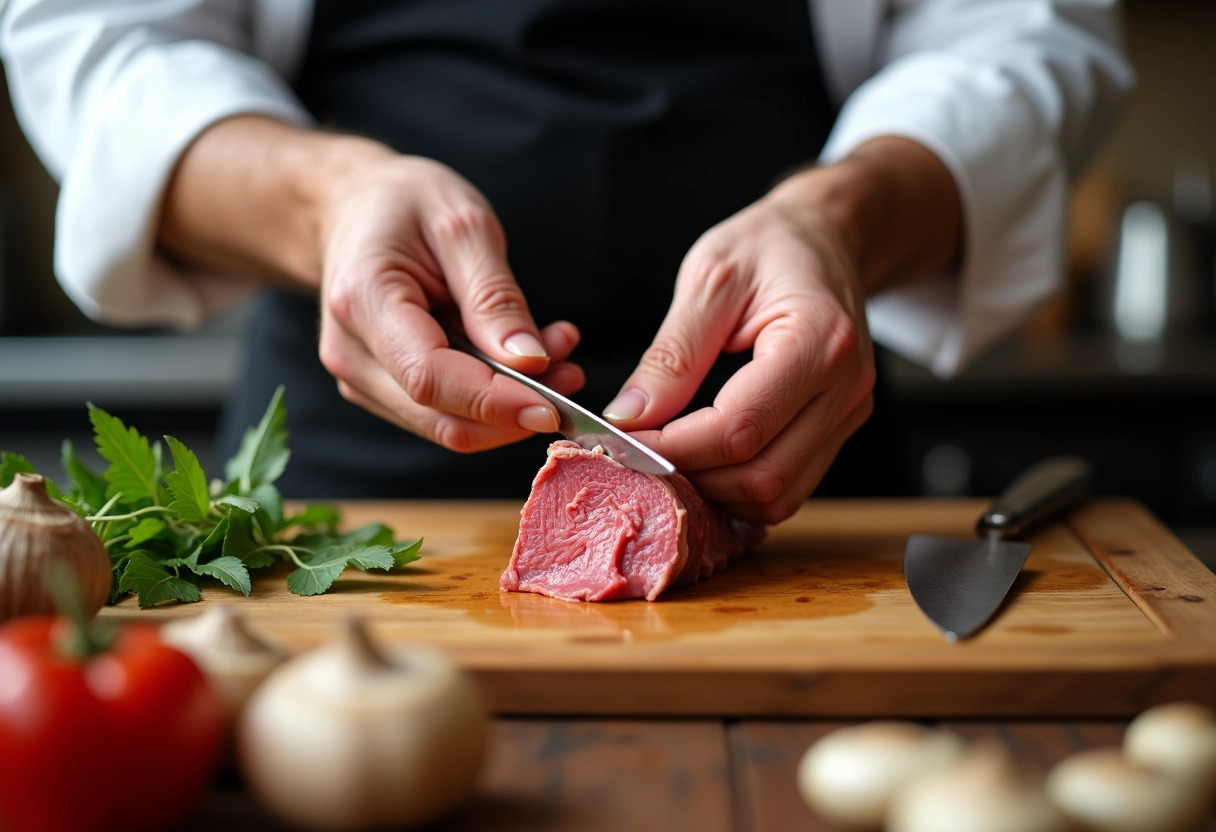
895,205
248,197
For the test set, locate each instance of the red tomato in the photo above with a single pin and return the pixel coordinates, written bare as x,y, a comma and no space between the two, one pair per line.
125,740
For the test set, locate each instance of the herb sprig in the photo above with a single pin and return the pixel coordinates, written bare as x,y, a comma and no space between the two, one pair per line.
165,530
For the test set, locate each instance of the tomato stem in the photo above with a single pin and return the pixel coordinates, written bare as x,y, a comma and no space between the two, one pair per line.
81,638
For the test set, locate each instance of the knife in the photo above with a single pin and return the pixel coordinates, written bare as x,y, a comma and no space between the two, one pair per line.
576,422
958,584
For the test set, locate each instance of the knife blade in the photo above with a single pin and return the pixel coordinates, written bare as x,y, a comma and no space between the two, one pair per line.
576,422
960,583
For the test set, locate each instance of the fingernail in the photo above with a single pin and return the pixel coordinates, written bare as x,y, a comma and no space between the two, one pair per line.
538,419
524,344
628,405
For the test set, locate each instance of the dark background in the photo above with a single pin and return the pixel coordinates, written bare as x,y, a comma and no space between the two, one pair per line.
1143,409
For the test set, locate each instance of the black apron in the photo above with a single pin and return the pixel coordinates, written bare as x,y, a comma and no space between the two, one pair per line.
607,135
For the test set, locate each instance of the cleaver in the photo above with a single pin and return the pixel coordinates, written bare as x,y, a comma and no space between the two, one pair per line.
958,584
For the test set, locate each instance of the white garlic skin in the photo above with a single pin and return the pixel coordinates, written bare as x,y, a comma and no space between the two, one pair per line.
335,740
1178,738
37,531
1103,791
850,775
234,659
982,791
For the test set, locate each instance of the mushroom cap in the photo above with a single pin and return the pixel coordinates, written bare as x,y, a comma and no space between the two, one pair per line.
1105,792
983,791
1179,738
849,775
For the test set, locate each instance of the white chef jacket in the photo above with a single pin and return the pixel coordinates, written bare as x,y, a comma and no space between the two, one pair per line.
1012,95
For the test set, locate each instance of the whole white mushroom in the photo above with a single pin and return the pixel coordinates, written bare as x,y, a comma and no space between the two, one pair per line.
985,790
352,736
1179,738
849,775
1103,791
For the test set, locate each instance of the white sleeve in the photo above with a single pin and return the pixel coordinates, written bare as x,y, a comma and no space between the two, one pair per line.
110,95
1013,96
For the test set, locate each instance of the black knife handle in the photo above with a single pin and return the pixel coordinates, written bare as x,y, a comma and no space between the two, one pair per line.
1039,494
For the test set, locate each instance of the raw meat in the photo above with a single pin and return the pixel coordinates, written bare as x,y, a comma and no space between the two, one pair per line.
594,530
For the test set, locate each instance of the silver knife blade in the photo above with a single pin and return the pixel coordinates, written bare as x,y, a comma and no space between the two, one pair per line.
960,583
577,423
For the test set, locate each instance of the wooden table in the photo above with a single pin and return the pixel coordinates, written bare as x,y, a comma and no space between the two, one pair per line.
567,775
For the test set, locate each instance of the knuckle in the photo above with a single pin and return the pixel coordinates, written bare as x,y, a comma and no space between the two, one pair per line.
481,406
744,436
463,222
843,343
764,487
494,296
454,436
779,510
417,378
668,357
333,359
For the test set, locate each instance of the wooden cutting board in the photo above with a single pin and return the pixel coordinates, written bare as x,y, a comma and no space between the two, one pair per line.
1110,615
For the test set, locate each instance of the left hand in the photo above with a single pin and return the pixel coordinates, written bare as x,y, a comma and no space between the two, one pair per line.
780,277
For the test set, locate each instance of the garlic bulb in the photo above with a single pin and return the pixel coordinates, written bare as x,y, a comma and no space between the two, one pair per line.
983,791
234,659
350,736
1179,739
1103,791
850,775
37,531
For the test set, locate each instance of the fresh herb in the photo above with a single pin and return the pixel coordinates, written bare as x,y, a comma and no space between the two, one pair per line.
163,531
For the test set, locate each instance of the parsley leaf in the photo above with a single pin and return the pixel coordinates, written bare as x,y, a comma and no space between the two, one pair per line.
263,455
88,486
11,465
187,483
227,569
133,465
153,583
318,571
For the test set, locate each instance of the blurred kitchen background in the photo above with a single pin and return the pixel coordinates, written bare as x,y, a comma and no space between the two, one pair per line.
1120,369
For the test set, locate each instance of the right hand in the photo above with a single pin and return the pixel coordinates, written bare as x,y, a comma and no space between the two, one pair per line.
404,240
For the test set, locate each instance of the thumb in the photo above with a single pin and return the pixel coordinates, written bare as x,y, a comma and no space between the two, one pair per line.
471,249
690,339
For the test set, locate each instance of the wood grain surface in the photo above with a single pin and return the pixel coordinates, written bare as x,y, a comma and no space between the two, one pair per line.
817,621
662,775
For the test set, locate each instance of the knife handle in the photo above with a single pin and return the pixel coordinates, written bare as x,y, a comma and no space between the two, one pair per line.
1039,494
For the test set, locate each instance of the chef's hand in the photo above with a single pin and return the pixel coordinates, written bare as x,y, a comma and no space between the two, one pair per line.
393,244
404,239
787,277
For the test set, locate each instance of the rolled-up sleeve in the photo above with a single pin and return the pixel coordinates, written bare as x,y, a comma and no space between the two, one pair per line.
110,95
1013,96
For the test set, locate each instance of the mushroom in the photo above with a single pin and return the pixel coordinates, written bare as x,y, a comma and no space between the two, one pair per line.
38,533
1178,738
234,659
1103,791
352,736
985,790
849,775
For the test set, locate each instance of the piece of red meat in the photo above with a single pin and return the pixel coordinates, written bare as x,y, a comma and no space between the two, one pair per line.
594,530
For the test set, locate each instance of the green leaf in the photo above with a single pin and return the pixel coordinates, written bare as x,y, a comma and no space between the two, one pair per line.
188,484
146,529
317,514
240,544
133,464
154,584
90,486
406,553
229,570
322,568
373,534
11,465
270,508
241,503
263,453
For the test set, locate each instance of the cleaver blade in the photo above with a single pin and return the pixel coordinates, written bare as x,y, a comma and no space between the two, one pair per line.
960,583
